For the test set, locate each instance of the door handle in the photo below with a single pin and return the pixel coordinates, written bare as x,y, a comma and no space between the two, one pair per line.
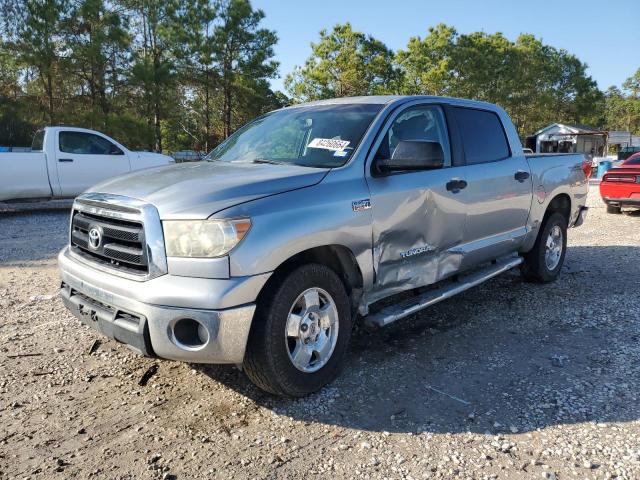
521,175
65,159
455,185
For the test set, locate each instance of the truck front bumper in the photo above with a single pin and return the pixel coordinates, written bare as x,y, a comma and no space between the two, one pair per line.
188,319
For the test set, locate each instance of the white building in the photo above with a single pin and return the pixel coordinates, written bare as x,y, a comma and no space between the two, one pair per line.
563,138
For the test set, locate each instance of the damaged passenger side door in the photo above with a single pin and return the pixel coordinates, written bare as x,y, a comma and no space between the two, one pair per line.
418,204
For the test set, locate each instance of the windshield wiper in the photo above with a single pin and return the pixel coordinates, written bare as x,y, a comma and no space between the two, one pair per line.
264,160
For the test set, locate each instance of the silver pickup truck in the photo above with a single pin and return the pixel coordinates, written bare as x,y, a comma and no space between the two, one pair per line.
306,219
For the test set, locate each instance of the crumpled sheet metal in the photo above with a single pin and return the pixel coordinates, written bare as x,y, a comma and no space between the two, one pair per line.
415,242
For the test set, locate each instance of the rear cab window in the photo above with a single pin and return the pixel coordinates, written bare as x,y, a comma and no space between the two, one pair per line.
37,145
483,136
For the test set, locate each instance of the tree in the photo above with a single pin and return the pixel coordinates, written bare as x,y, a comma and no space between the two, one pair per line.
33,27
97,39
427,63
536,84
244,54
344,63
194,51
153,69
14,129
623,105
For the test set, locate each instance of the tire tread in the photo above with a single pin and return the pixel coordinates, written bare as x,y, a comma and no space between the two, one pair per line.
533,269
263,364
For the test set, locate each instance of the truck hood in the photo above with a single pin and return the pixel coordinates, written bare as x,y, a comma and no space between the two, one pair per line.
198,190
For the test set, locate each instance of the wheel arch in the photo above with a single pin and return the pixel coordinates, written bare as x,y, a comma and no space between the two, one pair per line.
338,258
560,203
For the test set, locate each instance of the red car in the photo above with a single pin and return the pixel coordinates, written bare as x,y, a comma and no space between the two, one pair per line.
620,186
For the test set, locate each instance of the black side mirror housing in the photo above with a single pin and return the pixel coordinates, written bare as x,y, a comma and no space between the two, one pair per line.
412,155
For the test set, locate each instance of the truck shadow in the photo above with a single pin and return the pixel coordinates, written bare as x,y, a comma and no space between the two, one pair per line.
506,356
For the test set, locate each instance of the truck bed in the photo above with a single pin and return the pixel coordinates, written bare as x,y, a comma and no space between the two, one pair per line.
24,176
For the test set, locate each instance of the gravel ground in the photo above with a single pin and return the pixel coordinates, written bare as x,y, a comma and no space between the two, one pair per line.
510,380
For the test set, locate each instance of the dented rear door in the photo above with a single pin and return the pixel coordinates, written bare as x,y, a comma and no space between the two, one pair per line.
418,216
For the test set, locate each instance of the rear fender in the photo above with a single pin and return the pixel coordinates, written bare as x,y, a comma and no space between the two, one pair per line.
555,176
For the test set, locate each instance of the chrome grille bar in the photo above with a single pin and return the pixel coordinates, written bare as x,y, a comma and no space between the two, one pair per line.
131,243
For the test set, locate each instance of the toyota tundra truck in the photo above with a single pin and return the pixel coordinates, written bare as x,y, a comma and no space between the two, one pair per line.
310,218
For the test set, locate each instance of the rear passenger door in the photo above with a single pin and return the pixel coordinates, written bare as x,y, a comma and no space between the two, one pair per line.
84,159
499,190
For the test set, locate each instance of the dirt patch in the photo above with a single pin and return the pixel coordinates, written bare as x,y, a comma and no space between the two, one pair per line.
509,380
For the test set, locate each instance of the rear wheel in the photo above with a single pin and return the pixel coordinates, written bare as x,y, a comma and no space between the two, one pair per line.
614,209
544,262
301,332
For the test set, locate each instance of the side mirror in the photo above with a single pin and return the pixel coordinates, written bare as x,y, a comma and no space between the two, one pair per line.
413,155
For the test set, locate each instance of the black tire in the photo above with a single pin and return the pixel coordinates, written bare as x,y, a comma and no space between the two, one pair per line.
535,268
267,362
615,209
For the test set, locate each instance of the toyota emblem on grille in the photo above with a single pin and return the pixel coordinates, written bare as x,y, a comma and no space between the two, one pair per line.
95,237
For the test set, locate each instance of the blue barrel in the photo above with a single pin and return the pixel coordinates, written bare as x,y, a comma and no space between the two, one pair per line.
603,166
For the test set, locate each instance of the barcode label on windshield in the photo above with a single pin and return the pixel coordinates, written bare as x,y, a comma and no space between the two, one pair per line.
328,144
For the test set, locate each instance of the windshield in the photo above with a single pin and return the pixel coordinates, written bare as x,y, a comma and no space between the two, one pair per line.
314,136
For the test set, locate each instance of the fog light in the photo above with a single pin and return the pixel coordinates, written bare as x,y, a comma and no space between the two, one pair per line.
190,333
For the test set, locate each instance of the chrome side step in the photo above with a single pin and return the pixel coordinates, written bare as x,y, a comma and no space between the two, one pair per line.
408,307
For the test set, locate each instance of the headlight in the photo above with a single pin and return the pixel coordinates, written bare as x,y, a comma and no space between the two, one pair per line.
203,238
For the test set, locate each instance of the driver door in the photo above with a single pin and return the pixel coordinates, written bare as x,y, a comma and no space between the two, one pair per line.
418,216
84,159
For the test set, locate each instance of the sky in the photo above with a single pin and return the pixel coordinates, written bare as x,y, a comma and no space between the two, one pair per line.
604,35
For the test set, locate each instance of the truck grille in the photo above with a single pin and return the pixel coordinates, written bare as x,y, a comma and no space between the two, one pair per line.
112,242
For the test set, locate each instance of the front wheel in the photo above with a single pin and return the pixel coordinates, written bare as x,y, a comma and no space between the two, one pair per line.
300,333
544,262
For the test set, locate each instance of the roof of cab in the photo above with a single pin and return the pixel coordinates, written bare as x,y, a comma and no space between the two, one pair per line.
371,100
395,99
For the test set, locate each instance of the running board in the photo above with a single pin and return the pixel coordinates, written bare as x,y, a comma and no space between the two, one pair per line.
414,304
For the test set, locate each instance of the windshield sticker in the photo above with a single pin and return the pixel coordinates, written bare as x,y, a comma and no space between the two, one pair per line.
328,144
342,153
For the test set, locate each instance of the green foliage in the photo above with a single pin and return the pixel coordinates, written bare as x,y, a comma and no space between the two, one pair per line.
243,53
33,36
537,84
343,63
183,74
426,64
12,113
623,105
97,41
155,74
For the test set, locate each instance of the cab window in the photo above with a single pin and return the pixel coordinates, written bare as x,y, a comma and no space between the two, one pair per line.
422,123
82,143
483,137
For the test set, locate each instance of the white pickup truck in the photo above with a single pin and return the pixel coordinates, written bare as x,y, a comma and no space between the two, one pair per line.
65,161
